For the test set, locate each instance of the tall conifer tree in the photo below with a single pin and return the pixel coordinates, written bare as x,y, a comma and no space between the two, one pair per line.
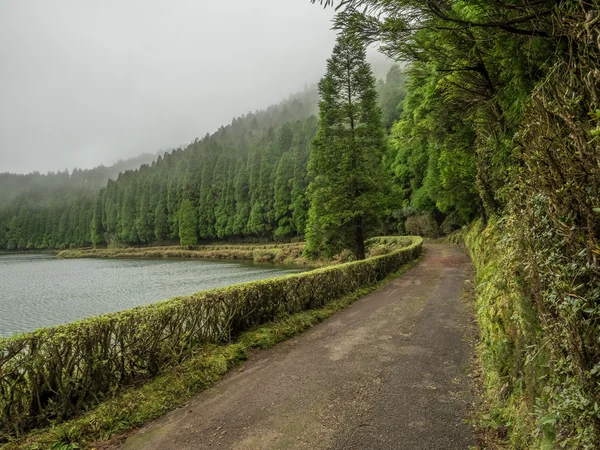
345,163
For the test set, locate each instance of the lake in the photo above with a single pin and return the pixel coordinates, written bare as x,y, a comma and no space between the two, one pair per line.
39,291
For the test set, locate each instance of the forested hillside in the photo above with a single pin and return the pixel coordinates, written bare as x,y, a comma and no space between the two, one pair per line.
30,197
249,179
209,182
497,125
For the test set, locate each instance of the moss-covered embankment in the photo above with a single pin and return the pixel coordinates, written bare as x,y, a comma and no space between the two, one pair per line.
54,375
538,393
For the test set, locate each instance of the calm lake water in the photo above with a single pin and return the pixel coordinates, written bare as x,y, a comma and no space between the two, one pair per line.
39,291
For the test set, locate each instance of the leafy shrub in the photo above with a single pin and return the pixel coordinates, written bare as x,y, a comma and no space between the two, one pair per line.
422,225
55,373
451,223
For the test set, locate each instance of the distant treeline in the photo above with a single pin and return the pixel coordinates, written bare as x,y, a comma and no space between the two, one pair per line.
248,179
42,186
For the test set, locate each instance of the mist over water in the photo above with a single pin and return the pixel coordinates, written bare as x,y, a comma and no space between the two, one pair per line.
39,291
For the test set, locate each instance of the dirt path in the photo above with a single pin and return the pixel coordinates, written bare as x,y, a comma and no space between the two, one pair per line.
387,373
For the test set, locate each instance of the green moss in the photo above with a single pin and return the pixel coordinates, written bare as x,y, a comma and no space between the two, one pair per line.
137,405
533,400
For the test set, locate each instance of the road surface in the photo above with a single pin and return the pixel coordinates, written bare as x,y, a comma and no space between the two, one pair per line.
389,372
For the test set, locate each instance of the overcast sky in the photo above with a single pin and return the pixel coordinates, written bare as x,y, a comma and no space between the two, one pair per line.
84,83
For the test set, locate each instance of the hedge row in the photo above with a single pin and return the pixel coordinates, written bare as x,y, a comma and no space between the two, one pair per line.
55,373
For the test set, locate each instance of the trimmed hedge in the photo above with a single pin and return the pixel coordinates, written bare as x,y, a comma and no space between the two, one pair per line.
54,373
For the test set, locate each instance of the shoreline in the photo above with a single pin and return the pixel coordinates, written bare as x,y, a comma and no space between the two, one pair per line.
279,254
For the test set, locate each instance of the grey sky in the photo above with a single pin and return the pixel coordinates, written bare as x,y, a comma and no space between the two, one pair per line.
84,83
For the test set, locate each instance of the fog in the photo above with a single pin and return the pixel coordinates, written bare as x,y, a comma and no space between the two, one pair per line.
88,83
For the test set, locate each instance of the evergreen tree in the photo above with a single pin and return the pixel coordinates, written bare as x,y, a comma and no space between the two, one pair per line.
301,152
284,179
146,213
127,218
173,202
230,201
161,218
188,224
206,218
97,232
346,160
391,94
219,188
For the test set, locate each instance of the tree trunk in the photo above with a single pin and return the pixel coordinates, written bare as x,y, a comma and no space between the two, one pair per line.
360,242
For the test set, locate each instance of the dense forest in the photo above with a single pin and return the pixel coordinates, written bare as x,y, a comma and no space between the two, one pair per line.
223,185
36,194
247,180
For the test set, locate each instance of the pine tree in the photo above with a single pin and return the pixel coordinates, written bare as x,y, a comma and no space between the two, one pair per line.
346,159
97,232
206,206
173,202
230,201
146,213
300,203
219,188
242,200
188,224
284,178
161,218
391,95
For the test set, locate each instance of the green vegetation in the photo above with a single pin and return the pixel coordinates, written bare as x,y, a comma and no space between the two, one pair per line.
52,374
134,406
346,192
277,253
496,118
500,122
537,393
37,210
221,186
246,182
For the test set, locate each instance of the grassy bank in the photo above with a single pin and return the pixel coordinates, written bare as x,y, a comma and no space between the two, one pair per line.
55,374
277,253
290,253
